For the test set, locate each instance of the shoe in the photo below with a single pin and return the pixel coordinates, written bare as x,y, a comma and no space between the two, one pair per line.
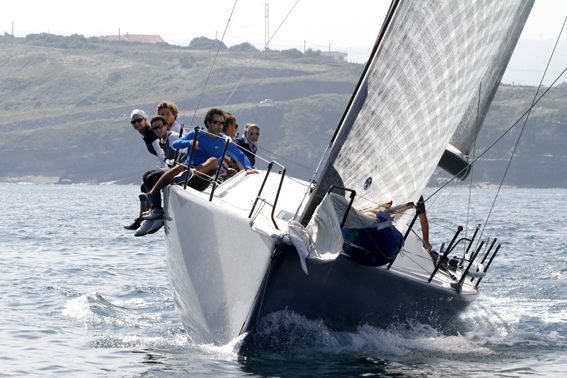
145,214
135,225
153,214
145,198
144,228
156,225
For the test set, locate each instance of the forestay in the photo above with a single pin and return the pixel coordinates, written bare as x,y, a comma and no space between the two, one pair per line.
421,83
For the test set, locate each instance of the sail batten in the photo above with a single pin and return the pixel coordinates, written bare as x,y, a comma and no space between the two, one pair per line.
420,94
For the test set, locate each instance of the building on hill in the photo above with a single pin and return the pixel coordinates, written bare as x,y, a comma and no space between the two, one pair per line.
336,55
134,38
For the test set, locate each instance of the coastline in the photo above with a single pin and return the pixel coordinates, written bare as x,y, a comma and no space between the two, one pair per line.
46,179
53,180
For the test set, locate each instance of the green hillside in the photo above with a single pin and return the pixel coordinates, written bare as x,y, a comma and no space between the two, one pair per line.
67,102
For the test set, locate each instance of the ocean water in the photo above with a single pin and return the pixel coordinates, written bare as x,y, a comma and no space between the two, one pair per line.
82,297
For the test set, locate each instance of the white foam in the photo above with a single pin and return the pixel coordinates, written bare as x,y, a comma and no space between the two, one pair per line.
284,333
78,309
228,351
93,309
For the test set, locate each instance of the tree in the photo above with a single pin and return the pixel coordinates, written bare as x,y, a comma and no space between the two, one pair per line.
312,53
291,53
244,47
204,43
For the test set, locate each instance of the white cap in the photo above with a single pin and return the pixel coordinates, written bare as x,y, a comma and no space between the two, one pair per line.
139,112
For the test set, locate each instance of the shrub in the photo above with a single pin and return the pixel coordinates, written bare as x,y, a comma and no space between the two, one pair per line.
244,47
312,53
113,78
187,61
291,53
204,43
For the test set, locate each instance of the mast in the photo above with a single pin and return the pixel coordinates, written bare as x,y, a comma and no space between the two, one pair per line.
350,113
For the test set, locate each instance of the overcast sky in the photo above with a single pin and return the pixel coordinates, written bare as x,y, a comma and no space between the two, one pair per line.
349,26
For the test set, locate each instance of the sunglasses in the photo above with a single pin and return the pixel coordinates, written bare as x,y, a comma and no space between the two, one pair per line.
136,121
157,127
235,125
253,133
217,123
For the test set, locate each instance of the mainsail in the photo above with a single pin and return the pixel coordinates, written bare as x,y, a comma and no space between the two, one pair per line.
420,92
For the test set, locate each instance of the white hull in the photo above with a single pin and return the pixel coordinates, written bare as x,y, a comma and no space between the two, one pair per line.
216,262
218,266
214,272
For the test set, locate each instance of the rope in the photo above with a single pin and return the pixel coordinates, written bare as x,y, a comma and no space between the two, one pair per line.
409,254
261,52
261,158
443,226
291,161
441,203
472,171
213,64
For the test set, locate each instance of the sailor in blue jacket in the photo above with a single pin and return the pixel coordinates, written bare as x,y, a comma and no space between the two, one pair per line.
208,152
209,145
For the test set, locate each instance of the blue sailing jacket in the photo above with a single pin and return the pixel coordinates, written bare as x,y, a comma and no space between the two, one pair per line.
210,147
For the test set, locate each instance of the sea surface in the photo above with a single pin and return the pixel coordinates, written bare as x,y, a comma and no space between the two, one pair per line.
82,297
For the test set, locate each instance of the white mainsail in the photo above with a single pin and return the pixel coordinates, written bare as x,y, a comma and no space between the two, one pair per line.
425,73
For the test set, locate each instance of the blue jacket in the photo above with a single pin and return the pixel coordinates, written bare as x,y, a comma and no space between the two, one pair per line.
210,147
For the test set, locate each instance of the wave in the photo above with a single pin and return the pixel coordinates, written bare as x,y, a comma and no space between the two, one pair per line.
286,335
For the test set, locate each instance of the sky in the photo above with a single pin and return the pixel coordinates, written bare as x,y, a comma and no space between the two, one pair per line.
348,26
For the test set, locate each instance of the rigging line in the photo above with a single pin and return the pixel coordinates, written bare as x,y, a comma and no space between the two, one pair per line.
472,170
261,52
408,254
272,153
291,161
359,196
522,130
261,158
429,211
214,61
298,181
440,224
442,202
502,136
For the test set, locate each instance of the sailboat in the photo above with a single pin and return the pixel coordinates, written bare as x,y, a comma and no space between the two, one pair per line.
260,244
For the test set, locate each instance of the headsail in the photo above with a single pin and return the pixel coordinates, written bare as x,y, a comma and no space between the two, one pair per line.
421,83
463,139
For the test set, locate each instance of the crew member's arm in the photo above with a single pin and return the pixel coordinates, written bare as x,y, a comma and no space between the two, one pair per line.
425,230
160,154
241,158
184,141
